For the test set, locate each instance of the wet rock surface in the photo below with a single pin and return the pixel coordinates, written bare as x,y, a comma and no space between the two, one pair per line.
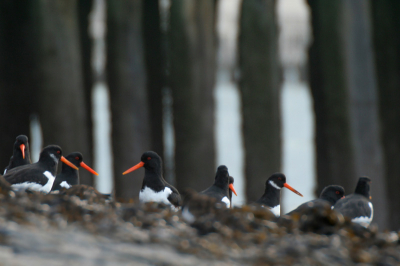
85,229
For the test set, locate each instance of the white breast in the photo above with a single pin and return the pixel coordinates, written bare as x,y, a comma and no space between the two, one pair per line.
187,216
275,210
35,186
226,201
64,184
148,195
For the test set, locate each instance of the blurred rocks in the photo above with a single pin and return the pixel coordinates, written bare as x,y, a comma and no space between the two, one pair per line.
80,226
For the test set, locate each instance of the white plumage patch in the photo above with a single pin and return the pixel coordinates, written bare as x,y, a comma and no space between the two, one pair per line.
54,158
64,184
275,210
5,171
364,220
187,216
272,183
148,195
226,201
35,186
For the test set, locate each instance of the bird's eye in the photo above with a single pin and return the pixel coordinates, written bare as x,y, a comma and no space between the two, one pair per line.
279,178
148,158
337,192
77,158
58,152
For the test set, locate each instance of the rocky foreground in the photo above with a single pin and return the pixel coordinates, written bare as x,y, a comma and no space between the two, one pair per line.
83,229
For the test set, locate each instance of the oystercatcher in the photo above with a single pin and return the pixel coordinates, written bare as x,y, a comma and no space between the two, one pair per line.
272,195
21,153
38,176
329,195
220,188
358,206
154,186
69,176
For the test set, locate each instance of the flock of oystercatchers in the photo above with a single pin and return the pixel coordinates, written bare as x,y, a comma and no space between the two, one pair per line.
42,176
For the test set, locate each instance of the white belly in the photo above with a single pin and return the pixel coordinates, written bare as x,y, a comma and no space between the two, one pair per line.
148,195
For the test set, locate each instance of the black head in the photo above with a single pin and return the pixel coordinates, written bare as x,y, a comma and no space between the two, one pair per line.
222,170
222,177
277,179
151,160
21,139
231,180
332,193
363,186
75,158
51,151
21,147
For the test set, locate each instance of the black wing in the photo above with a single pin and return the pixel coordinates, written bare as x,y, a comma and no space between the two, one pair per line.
174,197
354,206
309,204
25,174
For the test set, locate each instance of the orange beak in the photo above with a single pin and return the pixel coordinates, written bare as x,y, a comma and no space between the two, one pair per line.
292,189
233,189
68,163
88,168
133,168
22,147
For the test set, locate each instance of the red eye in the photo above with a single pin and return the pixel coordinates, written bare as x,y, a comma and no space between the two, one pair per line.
58,152
148,158
279,178
337,192
77,158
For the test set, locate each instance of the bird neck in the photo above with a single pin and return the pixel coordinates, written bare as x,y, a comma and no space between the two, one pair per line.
332,200
362,188
272,196
17,157
69,171
223,185
153,179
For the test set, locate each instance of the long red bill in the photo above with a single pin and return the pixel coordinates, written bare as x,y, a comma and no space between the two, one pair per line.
233,189
292,189
133,168
22,147
68,163
88,168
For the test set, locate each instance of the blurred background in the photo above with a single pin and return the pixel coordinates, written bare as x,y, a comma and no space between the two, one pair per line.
308,88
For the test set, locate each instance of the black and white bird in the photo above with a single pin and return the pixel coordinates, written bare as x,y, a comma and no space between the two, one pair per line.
154,186
221,187
21,153
39,176
272,195
70,176
329,196
357,206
